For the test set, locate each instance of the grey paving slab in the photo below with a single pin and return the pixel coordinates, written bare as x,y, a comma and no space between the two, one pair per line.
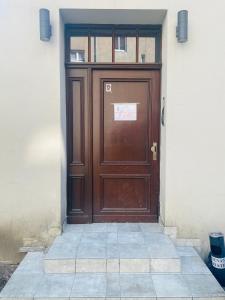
113,285
112,238
160,246
204,286
193,265
171,285
90,265
133,251
74,228
151,227
165,265
180,298
134,265
159,251
112,250
130,227
152,237
142,298
69,237
90,298
112,265
51,298
89,285
91,251
111,227
55,285
136,285
95,227
186,251
131,237
59,265
32,263
94,238
21,286
64,250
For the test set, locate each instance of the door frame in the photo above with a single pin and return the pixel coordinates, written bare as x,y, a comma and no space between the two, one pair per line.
73,218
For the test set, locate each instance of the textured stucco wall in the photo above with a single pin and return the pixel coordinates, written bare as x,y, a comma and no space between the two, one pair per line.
32,120
195,144
30,160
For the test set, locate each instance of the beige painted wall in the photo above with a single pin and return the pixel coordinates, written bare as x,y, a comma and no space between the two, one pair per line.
32,120
195,144
30,160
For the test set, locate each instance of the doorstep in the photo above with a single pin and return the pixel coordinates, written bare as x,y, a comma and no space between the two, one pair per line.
124,247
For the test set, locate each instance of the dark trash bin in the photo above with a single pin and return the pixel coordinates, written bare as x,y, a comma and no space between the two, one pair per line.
216,261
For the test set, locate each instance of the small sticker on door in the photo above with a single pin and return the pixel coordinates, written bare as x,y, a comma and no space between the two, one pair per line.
108,88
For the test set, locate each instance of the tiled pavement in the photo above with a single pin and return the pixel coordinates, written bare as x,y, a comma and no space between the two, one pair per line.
30,281
125,247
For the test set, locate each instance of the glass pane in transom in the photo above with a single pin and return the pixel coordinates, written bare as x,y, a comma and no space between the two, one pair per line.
79,49
146,51
125,49
101,49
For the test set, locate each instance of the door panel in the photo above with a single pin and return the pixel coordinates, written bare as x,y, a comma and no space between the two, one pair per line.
123,193
79,178
125,124
118,142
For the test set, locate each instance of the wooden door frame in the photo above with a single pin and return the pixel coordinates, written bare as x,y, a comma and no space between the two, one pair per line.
90,67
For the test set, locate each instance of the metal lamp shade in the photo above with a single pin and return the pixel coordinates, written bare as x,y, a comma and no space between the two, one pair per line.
182,26
45,26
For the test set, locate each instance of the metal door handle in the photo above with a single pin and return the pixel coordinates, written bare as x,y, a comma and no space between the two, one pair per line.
154,151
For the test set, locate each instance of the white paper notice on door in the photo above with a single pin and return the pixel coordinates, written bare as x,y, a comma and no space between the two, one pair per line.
125,111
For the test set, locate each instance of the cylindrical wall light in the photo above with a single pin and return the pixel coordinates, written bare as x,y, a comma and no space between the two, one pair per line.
182,26
45,26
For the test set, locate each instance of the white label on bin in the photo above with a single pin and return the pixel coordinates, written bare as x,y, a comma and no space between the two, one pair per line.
218,263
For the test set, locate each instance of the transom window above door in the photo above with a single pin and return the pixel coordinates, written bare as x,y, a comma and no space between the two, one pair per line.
113,43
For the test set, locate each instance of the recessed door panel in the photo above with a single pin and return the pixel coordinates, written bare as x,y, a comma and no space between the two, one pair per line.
77,114
124,193
125,111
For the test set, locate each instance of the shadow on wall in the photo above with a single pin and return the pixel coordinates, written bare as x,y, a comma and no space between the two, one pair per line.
31,216
15,238
10,243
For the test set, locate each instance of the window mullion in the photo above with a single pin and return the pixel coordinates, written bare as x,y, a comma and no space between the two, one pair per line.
113,46
89,47
137,48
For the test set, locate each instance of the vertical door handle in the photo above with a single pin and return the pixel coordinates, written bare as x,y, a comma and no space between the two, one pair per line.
154,151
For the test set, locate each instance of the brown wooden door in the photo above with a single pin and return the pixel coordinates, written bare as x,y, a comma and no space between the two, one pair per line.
125,125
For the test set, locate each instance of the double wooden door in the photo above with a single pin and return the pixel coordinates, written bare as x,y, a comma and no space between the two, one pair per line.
113,145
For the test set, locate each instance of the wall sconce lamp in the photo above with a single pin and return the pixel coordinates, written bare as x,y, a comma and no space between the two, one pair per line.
45,26
182,26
